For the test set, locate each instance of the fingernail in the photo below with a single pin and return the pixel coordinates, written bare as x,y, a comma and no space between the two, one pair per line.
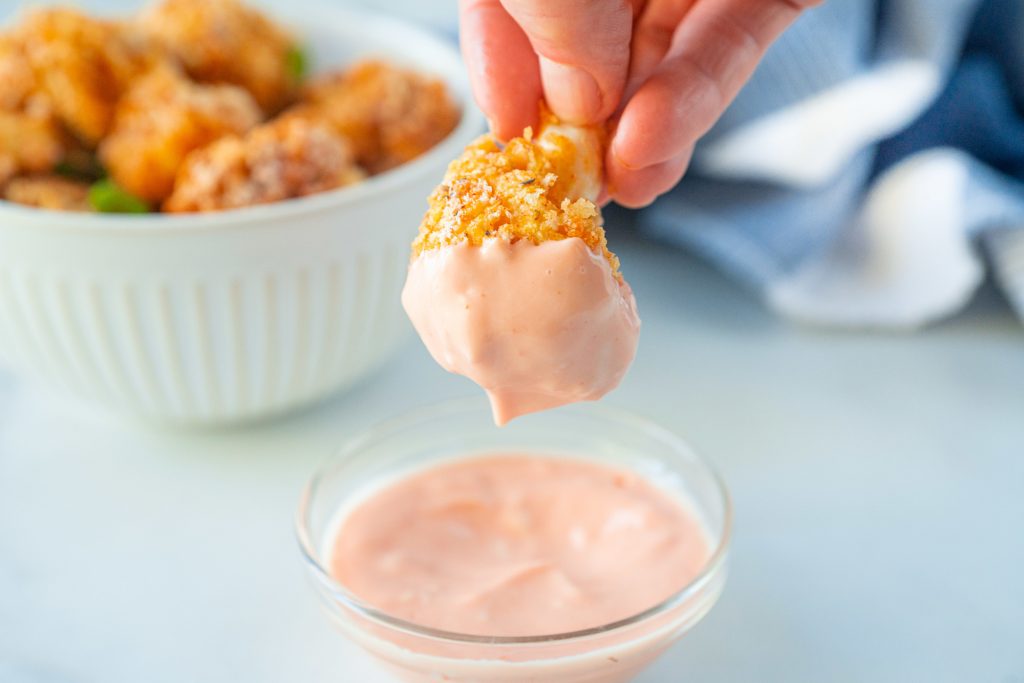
571,92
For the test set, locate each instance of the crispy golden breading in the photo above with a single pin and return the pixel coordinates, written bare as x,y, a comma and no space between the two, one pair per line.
8,168
170,100
510,193
391,115
31,139
223,41
288,158
164,117
82,65
49,192
16,76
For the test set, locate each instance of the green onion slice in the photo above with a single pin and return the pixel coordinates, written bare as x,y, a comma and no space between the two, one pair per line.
297,62
106,196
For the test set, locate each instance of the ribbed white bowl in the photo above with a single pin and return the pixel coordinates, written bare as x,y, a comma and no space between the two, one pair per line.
230,316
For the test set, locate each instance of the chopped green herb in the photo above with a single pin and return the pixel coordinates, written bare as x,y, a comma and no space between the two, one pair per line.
297,63
106,196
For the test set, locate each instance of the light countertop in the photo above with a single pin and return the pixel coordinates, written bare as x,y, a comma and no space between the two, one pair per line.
878,483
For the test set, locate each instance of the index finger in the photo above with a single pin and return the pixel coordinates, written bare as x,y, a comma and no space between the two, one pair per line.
713,52
504,72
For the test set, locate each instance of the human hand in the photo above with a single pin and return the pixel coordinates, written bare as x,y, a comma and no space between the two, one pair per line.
662,71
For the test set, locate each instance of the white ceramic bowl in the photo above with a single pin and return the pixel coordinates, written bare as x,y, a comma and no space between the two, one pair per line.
230,316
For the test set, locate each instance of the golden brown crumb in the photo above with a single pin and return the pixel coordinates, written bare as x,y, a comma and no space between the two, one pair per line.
29,142
31,139
8,168
15,74
288,158
163,118
223,41
511,193
49,192
82,65
391,115
71,84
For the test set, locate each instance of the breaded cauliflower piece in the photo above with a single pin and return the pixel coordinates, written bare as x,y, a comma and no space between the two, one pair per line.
29,142
15,74
290,157
49,192
164,117
223,41
31,139
391,115
83,65
526,189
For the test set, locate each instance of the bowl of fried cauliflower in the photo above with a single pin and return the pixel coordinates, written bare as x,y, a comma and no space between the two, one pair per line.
205,208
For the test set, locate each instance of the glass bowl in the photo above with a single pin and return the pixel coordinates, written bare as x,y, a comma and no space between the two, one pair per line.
609,653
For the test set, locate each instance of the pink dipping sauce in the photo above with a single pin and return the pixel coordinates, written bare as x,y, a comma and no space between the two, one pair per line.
517,545
537,326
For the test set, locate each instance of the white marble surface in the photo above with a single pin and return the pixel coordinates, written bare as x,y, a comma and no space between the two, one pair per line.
878,482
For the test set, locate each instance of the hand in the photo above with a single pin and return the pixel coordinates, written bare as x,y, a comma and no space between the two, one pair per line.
662,70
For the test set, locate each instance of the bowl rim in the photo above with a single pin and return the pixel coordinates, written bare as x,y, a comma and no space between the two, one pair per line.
315,12
713,568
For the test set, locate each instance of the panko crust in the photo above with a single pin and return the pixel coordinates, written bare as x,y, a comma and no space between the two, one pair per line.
15,74
82,65
30,142
288,158
31,139
146,96
389,114
49,192
161,120
224,41
511,192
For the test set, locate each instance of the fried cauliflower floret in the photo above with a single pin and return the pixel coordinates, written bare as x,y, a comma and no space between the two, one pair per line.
390,115
284,159
49,192
512,193
163,118
83,65
16,74
223,41
30,142
31,139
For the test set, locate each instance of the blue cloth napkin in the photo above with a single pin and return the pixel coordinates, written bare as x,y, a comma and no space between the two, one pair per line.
873,159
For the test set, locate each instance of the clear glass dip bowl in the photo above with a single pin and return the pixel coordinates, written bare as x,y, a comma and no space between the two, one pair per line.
609,653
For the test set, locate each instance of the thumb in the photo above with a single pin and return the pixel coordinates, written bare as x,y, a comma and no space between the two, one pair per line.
583,50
